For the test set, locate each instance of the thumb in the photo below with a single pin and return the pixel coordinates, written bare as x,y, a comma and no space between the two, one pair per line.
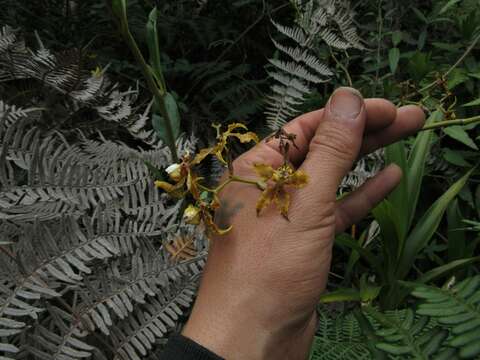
336,143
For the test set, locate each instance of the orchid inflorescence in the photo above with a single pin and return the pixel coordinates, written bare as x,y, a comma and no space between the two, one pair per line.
272,181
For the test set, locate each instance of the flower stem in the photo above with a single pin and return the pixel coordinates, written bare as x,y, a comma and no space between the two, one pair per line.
238,179
257,183
154,86
442,124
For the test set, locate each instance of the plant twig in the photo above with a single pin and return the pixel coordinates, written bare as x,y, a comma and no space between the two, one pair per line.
453,67
446,123
343,67
379,47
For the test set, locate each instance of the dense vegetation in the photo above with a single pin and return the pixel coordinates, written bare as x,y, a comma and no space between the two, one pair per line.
96,262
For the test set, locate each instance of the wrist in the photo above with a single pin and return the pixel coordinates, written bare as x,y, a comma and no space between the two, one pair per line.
249,331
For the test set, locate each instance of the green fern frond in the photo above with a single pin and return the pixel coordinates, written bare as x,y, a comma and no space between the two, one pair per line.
407,335
456,308
339,338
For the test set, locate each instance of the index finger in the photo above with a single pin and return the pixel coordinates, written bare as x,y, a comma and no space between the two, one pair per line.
380,114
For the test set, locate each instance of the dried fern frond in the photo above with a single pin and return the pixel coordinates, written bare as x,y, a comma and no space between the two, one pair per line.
66,73
182,248
61,339
82,224
114,292
134,337
9,40
365,168
57,257
317,22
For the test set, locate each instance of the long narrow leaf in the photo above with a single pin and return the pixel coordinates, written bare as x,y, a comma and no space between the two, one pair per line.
389,220
446,269
416,165
426,227
396,154
456,233
340,295
154,49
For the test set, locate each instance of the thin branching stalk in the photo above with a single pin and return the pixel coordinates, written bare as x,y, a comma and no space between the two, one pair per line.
453,67
446,123
343,67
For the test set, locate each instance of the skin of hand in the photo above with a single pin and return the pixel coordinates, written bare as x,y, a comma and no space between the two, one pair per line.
263,280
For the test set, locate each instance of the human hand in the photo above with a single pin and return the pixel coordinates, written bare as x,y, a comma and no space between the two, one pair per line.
263,280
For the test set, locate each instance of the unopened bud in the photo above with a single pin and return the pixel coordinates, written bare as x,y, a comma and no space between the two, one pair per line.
191,215
174,171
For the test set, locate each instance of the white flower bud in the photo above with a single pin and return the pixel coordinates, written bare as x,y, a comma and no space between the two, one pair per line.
174,171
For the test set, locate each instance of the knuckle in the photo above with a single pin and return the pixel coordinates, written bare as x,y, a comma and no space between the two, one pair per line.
334,140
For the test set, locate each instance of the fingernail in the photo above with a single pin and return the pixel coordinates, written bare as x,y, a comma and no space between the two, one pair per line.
345,104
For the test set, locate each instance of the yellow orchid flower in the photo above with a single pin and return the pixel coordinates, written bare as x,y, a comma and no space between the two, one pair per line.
273,182
204,211
222,139
277,180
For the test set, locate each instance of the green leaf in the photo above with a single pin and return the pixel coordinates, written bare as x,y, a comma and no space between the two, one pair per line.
396,154
427,225
154,49
458,133
420,65
416,165
396,38
422,38
473,103
446,46
368,292
340,295
119,8
156,173
447,6
455,158
393,58
392,238
456,77
173,113
456,232
446,270
454,307
339,336
420,15
348,241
